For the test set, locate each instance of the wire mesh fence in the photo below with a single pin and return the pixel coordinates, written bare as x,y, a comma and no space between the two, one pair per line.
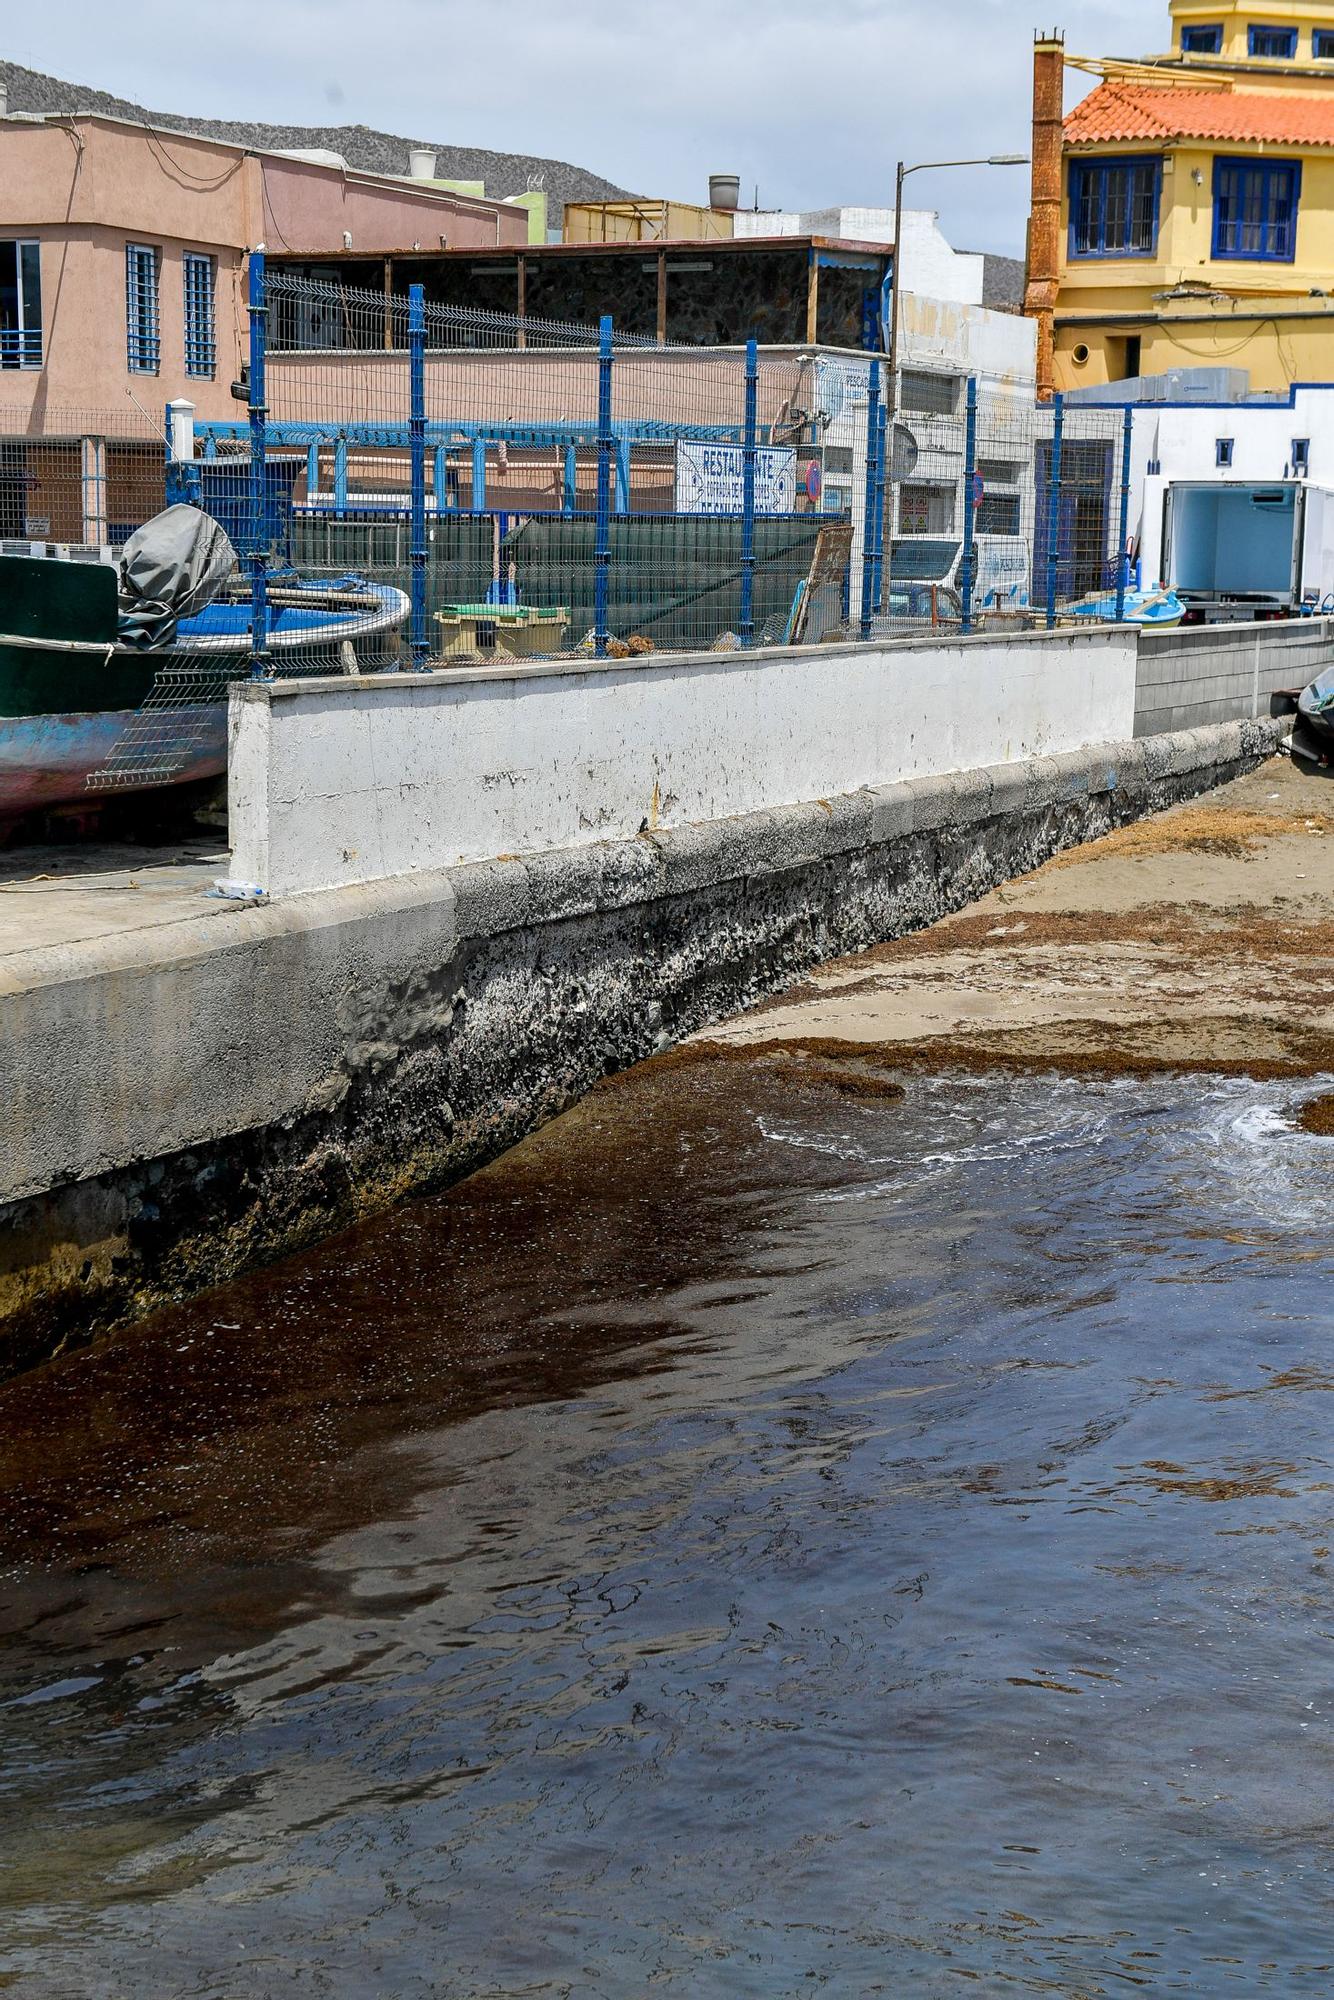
537,489
990,512
83,485
409,484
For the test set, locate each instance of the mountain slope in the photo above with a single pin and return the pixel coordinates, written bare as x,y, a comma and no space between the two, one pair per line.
360,145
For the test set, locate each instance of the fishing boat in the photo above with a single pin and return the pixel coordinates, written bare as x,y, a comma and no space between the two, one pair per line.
1313,735
82,673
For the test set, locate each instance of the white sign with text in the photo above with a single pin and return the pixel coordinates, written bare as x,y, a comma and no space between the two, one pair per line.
710,478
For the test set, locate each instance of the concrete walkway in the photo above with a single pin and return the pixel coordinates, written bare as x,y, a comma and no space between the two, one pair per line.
70,895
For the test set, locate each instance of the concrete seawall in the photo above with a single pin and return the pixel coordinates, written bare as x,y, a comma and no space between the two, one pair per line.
338,781
1197,675
195,1098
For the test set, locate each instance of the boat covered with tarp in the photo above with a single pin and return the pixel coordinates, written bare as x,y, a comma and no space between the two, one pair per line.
115,677
1313,734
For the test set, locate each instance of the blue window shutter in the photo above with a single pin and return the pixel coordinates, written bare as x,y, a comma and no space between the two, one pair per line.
1275,43
1114,205
1256,205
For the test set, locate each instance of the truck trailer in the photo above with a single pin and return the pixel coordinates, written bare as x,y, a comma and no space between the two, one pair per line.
1235,550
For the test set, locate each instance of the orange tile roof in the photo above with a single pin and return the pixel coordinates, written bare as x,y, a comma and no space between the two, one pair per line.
1138,112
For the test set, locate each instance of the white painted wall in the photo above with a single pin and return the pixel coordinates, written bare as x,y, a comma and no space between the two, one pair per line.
341,781
930,263
1000,349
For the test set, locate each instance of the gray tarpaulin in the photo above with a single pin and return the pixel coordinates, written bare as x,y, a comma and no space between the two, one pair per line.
169,569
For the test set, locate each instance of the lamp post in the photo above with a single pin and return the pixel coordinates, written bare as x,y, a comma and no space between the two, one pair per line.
922,167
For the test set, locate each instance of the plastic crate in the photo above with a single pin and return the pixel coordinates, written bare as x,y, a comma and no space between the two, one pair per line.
495,631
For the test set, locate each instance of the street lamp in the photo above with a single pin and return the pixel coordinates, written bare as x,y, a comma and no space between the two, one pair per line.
922,166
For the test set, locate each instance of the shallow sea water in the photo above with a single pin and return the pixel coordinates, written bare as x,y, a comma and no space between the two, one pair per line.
748,1541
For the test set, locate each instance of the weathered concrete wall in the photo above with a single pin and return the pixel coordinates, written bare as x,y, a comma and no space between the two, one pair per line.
196,1098
1225,673
341,781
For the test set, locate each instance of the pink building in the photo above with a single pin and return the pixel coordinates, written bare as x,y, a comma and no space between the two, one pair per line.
122,260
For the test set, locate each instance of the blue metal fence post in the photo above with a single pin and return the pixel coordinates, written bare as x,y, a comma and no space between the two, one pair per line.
256,556
417,447
606,457
1054,507
881,494
868,517
749,455
1123,547
969,507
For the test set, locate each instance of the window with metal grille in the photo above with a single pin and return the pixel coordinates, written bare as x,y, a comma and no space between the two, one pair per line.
1277,42
1202,41
142,325
20,305
1322,44
201,344
999,471
928,395
926,510
1255,209
998,514
1114,207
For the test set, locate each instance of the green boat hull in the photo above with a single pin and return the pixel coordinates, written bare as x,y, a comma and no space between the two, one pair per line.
37,680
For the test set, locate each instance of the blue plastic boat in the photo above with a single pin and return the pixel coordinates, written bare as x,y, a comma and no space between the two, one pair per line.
1158,609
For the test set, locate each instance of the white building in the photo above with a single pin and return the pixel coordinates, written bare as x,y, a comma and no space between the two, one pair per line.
930,265
1278,442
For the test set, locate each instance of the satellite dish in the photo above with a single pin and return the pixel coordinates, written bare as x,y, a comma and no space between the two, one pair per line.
903,453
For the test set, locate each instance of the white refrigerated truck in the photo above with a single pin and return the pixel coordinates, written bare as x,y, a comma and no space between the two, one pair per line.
1244,549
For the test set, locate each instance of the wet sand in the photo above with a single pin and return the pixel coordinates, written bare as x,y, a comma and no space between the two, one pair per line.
1202,939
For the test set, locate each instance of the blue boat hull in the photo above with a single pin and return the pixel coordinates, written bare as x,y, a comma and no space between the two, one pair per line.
45,760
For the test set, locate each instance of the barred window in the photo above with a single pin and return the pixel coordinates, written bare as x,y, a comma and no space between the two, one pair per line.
142,334
201,344
928,395
998,514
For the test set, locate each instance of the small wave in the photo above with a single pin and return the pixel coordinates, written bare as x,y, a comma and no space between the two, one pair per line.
1265,1163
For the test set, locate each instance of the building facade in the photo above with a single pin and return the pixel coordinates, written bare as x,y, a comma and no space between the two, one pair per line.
122,259
1183,213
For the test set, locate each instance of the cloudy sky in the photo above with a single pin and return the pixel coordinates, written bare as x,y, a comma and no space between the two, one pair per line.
814,102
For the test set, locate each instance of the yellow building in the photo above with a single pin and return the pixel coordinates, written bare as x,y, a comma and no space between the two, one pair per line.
1183,215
